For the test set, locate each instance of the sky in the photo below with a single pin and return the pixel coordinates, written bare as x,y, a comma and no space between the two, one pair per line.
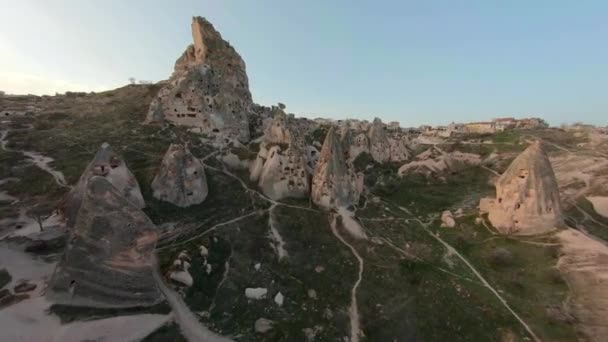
416,62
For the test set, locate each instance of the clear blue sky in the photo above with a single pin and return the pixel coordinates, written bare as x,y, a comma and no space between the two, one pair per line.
412,61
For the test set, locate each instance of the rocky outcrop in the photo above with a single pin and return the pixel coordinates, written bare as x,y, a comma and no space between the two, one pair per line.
353,146
379,145
181,179
434,162
109,261
527,196
399,149
281,167
208,90
335,183
113,168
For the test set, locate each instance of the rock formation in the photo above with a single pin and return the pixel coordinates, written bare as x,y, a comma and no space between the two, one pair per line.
112,167
353,146
109,260
527,196
335,183
399,149
208,90
434,162
379,145
181,179
280,167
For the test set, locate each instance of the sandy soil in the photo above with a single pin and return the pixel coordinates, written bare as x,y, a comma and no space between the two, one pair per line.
584,265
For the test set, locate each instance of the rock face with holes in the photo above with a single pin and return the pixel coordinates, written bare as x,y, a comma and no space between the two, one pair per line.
281,166
399,148
335,183
353,146
109,258
527,196
113,168
181,179
208,90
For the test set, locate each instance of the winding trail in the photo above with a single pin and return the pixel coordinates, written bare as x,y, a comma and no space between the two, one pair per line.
353,311
190,326
39,160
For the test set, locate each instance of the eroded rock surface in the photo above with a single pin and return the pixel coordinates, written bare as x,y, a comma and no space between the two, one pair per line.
209,88
434,162
379,144
281,167
335,183
112,167
527,196
108,261
181,179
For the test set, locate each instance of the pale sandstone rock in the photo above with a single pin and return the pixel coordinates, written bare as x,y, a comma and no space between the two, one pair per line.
335,183
109,258
378,142
113,168
398,149
527,196
282,166
447,219
263,325
434,162
209,88
353,146
181,179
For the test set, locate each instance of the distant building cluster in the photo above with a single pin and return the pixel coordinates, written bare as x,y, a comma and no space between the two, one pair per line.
496,125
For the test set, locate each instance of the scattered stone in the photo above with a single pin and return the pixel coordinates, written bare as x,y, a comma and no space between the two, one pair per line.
312,294
181,179
208,268
478,220
113,168
279,298
263,325
311,333
256,293
447,219
319,269
257,266
527,196
182,277
24,287
203,251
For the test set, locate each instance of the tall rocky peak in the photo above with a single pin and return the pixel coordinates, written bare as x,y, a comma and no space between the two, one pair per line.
378,142
209,88
181,179
109,259
112,167
527,196
352,145
280,167
335,183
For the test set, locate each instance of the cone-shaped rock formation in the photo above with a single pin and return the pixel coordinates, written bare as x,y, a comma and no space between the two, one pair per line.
181,179
108,262
527,196
335,183
209,88
112,167
379,145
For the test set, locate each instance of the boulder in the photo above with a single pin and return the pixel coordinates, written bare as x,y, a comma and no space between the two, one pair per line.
209,88
181,179
398,149
109,259
335,183
527,196
112,167
447,219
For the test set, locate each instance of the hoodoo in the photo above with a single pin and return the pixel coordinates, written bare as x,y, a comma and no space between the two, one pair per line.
527,196
113,168
335,183
108,262
379,144
209,88
280,166
181,179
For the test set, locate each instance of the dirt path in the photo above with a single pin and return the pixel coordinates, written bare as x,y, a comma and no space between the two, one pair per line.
584,268
353,311
189,324
279,243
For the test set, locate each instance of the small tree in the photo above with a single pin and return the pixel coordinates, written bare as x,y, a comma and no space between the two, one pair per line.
132,80
2,93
